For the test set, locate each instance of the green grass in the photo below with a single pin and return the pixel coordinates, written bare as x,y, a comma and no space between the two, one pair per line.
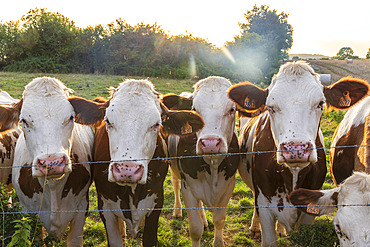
171,232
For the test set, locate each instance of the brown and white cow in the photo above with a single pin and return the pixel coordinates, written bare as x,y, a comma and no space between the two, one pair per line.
353,130
351,221
210,179
43,174
8,140
294,102
134,118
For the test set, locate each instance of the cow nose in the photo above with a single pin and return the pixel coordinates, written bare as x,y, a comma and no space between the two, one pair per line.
296,152
127,172
210,145
52,166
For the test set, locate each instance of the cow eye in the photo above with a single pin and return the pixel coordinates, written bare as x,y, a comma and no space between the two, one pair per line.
157,126
270,109
193,108
71,118
232,111
107,123
25,124
338,230
321,105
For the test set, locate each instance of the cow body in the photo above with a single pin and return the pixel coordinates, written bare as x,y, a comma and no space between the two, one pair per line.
353,130
43,174
129,184
208,180
351,198
290,126
8,140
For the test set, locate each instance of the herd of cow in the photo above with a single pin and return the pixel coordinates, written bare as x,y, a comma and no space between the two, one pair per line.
50,138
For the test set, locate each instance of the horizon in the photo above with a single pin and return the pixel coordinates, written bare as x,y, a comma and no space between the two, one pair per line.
321,33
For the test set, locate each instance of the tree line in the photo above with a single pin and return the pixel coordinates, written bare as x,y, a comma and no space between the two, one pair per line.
50,42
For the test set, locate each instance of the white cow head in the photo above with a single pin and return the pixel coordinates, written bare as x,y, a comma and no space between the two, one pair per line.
218,112
350,222
295,101
134,116
46,117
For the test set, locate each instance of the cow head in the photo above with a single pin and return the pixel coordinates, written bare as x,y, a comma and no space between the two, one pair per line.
134,116
295,101
47,120
218,112
350,222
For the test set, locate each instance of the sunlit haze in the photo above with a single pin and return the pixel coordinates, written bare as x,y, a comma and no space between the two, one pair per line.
320,27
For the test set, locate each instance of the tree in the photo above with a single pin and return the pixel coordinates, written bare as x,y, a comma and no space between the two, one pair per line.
345,52
368,54
276,35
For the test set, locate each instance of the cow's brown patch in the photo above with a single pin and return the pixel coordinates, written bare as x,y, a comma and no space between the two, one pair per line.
28,184
77,179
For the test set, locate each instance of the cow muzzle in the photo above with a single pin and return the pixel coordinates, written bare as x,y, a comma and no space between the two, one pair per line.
51,166
210,145
126,172
296,152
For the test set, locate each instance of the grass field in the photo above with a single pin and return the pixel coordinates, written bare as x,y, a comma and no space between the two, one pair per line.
171,232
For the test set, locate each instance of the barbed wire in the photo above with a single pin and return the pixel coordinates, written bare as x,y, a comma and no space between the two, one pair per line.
192,208
192,156
172,209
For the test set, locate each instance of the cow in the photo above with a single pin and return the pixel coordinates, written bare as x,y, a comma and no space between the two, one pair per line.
8,139
286,140
353,130
351,199
210,178
50,171
130,186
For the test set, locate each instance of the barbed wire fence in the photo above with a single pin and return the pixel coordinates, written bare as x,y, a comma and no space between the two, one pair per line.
193,208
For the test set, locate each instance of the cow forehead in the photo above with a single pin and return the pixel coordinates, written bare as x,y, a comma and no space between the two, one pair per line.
288,89
212,89
46,108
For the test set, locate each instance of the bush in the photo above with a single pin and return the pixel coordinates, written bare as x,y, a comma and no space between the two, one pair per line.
320,233
37,65
17,228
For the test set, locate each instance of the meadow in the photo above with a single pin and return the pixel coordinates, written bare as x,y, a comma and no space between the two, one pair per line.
174,232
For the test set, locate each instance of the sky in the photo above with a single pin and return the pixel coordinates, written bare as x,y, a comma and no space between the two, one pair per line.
319,26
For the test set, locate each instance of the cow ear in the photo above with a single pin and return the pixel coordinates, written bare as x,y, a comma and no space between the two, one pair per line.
346,92
9,116
181,122
176,102
248,97
309,201
89,112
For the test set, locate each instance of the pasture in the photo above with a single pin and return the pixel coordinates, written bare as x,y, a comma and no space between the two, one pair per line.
174,232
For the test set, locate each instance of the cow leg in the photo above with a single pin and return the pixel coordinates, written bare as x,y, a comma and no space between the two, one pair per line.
267,221
219,216
280,229
255,228
112,228
151,228
176,182
122,227
203,214
196,225
76,230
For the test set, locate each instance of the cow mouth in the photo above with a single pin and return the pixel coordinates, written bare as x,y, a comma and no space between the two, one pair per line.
53,167
127,173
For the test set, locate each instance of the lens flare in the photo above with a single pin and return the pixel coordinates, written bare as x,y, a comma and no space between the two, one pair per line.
228,54
192,66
